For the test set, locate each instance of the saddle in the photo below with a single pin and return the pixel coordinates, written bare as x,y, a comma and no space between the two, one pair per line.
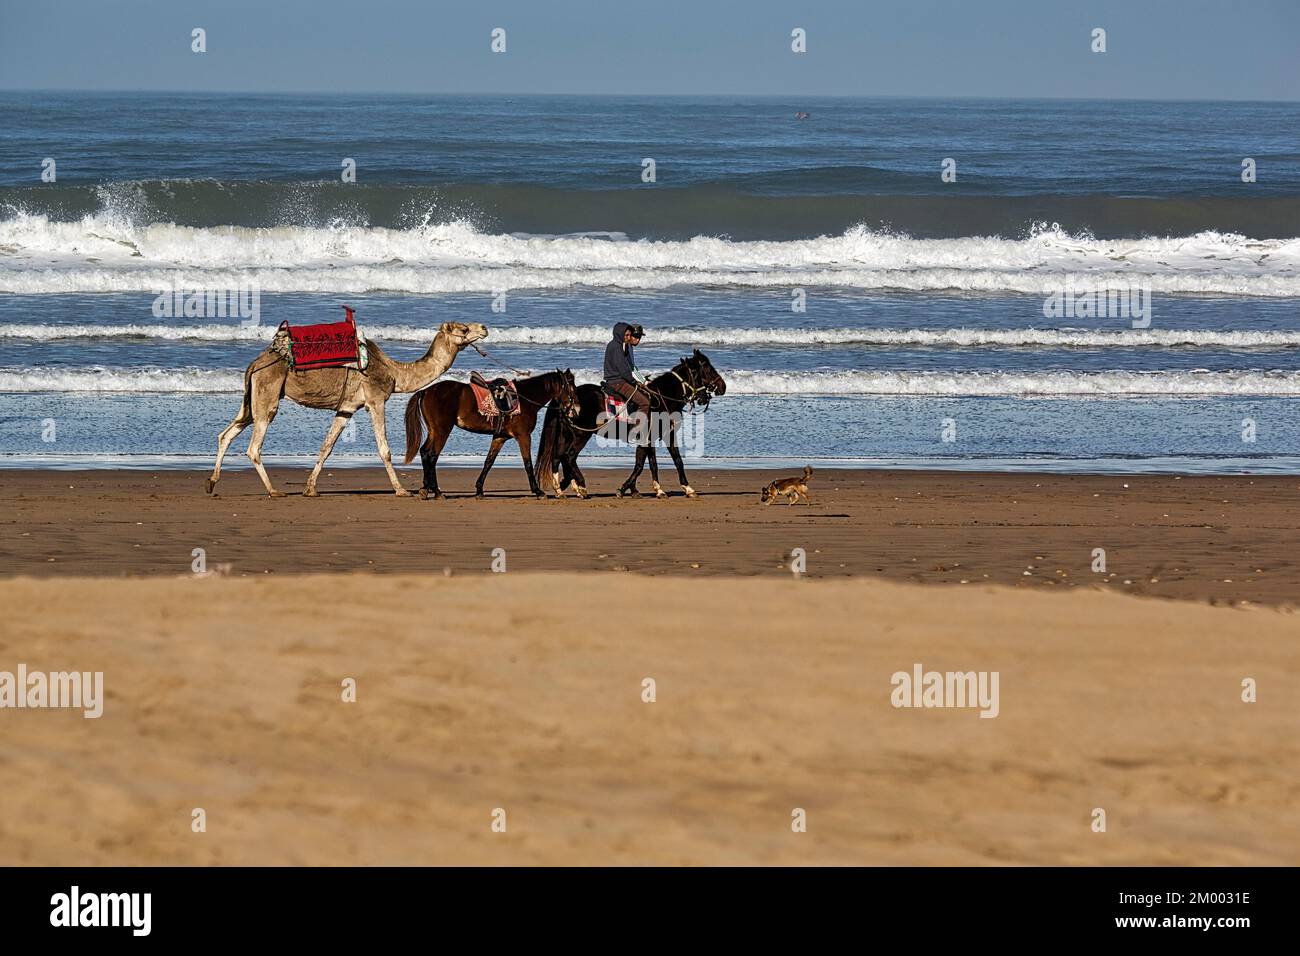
328,345
495,398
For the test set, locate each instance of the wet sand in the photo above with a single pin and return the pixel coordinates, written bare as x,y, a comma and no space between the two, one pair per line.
1217,539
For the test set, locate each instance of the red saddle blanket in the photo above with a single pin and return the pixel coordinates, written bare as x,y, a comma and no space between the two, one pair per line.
329,345
494,398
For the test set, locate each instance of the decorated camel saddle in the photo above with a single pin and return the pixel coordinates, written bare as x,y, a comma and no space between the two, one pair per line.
497,397
328,345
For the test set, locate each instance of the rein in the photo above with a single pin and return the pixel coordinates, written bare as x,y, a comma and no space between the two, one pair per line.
522,373
689,391
541,404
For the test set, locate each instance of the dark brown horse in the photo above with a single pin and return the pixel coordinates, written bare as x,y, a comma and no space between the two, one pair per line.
693,381
449,404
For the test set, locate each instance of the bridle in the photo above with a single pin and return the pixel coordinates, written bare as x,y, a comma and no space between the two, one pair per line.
570,395
691,393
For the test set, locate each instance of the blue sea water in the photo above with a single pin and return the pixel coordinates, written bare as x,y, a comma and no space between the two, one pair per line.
862,309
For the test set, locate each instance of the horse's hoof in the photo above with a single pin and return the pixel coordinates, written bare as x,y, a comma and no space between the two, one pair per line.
690,492
276,494
402,493
478,495
582,493
209,485
424,494
311,493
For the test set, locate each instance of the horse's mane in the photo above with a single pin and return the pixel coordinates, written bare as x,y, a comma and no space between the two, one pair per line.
665,376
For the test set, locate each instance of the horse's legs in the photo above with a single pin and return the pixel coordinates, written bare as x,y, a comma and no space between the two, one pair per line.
327,446
561,472
561,476
497,442
376,410
654,471
525,440
573,476
572,473
629,486
429,452
676,454
242,420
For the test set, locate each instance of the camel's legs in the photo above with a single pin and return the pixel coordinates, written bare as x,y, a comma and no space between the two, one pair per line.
228,435
376,410
260,426
327,446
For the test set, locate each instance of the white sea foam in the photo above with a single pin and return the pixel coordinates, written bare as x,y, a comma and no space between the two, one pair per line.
106,252
748,382
587,335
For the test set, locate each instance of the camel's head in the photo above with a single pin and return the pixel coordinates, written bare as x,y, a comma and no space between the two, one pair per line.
462,334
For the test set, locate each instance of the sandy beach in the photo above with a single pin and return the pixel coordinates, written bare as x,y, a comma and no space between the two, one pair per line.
1215,539
523,691
511,692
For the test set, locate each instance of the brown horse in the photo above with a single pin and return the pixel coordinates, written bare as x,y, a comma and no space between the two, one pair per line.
450,404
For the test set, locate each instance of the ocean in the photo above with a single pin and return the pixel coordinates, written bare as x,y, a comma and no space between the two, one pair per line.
1096,289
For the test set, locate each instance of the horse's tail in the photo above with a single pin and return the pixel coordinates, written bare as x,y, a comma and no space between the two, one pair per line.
414,426
548,449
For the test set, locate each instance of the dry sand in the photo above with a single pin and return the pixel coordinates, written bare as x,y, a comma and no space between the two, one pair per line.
523,691
515,691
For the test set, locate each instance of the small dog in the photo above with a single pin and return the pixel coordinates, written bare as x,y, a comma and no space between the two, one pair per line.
792,488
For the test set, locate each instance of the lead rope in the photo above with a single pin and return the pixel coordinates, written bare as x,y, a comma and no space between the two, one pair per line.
522,373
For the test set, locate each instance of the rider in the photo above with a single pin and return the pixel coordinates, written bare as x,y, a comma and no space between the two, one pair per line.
621,377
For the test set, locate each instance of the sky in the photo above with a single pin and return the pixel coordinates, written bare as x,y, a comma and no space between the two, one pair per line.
1156,49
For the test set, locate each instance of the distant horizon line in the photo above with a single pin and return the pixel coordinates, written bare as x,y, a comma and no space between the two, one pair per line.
666,96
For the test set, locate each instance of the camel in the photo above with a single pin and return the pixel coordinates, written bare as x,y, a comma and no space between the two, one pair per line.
343,391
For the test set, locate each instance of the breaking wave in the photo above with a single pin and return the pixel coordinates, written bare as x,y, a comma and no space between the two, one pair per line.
108,252
587,335
1048,384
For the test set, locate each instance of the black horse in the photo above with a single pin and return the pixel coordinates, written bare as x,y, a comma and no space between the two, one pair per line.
693,381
